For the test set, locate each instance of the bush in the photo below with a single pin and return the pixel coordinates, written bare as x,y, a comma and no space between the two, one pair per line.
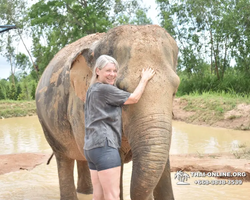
2,95
232,83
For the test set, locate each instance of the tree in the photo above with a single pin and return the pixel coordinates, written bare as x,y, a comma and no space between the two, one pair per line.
10,57
18,91
22,62
3,86
33,91
57,23
12,93
72,20
17,61
2,95
14,12
167,16
202,31
130,12
239,25
24,95
141,18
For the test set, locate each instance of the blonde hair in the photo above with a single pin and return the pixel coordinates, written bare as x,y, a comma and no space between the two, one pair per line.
101,62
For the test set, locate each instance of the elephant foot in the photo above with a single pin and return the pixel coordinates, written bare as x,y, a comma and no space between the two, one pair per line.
84,185
86,191
69,197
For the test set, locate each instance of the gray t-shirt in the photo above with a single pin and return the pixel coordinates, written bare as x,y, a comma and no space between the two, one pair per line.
103,115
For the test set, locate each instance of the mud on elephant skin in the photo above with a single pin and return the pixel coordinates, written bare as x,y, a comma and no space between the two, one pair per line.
147,125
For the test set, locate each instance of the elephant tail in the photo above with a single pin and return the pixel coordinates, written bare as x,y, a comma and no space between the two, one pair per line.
50,158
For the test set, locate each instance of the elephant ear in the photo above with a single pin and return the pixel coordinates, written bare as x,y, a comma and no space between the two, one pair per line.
82,65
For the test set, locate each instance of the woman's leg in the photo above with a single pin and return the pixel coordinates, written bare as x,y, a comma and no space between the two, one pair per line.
97,187
110,182
105,169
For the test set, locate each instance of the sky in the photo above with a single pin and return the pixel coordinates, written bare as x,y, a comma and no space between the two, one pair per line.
5,67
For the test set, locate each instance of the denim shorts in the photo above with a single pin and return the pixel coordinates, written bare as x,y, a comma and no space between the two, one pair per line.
102,158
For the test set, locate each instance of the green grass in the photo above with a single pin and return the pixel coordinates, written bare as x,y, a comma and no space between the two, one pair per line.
10,108
210,107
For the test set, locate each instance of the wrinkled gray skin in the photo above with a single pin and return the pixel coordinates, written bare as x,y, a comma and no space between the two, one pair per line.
147,125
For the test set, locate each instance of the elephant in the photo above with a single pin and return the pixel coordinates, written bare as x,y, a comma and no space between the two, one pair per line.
147,125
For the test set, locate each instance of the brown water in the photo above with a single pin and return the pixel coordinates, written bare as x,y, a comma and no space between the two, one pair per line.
19,135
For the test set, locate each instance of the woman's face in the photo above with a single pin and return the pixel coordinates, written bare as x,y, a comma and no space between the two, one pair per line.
107,74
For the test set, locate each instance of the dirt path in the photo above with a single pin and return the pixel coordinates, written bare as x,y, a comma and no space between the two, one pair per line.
22,161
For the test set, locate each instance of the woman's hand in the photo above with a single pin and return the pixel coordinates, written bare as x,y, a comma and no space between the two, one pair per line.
147,74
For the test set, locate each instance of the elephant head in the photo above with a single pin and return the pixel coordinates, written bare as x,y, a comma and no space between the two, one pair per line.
147,125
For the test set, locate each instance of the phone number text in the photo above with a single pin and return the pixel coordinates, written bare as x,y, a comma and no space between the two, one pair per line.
218,182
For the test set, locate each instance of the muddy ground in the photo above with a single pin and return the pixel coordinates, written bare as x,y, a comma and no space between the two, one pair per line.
190,162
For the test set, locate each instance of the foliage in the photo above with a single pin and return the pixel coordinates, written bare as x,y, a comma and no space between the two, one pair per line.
129,12
213,39
3,88
15,13
18,91
2,93
240,33
234,82
75,19
53,24
214,32
24,90
33,91
12,92
214,44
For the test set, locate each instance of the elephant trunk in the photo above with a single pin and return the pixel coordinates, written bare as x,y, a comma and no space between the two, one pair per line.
150,139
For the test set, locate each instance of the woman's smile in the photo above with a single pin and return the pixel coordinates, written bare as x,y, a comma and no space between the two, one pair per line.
107,74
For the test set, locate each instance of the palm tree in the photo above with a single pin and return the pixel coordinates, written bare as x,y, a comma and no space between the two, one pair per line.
179,175
185,177
182,177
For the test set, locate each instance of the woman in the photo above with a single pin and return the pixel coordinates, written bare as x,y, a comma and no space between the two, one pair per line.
103,126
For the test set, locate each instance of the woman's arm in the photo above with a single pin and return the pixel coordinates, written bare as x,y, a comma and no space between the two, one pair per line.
146,75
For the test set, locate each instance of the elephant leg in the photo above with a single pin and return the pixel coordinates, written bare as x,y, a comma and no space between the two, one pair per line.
164,189
65,168
84,184
145,176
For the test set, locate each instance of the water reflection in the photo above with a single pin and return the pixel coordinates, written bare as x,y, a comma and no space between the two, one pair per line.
19,135
188,138
211,145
